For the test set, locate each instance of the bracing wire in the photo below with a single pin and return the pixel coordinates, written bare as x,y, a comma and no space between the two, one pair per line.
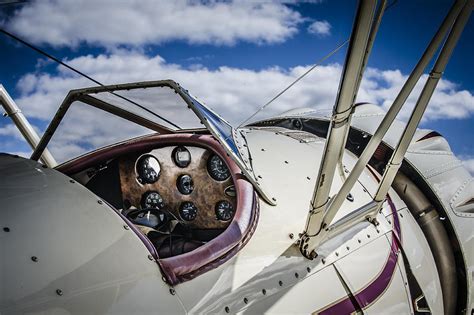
318,63
49,56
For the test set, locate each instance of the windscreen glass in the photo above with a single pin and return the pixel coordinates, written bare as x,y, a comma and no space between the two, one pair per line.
217,124
158,104
85,128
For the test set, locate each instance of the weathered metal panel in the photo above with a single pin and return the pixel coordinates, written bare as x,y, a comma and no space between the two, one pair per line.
63,251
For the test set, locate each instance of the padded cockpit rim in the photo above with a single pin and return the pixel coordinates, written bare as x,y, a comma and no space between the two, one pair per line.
220,260
187,266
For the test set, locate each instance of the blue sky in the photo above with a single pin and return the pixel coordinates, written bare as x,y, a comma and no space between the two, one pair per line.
233,55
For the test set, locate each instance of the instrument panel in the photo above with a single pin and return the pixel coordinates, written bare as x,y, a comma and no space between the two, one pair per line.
193,183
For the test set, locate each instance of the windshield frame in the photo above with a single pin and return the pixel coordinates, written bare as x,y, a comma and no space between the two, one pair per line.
233,142
85,96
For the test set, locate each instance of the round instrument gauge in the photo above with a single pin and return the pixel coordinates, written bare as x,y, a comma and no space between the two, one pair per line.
152,199
217,168
148,169
185,184
181,156
224,210
188,211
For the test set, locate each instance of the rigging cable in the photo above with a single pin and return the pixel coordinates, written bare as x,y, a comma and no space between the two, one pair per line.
296,81
42,52
318,63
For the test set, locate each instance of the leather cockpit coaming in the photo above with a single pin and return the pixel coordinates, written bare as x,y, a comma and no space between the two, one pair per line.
226,238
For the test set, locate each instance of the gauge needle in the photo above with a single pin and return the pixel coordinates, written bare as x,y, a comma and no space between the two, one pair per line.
148,215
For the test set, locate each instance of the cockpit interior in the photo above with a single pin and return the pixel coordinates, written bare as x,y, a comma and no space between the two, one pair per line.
182,192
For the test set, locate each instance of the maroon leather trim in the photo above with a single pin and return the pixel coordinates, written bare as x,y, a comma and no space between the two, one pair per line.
212,254
220,249
220,260
144,143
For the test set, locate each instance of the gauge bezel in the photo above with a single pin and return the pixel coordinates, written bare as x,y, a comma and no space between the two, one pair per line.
148,193
209,171
137,173
175,159
217,206
180,209
178,181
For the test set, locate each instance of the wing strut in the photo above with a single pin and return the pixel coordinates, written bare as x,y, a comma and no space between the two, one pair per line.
435,75
359,49
30,135
459,15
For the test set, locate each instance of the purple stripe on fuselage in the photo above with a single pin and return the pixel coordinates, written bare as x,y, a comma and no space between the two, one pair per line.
374,289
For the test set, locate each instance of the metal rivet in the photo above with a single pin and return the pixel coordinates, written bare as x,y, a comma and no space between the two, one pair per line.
308,269
291,235
297,275
286,162
71,181
323,261
150,257
308,178
172,291
263,149
280,283
34,258
264,292
347,247
99,202
59,292
337,254
259,176
6,229
368,236
359,241
227,309
246,301
401,215
274,199
126,227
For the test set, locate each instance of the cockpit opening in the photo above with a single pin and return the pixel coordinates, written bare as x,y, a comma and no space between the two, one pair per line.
181,193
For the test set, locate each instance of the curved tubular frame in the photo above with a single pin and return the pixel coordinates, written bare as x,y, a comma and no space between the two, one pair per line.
187,266
84,96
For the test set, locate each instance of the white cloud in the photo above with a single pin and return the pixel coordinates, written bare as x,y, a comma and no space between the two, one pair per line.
11,131
321,28
233,93
448,102
112,23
